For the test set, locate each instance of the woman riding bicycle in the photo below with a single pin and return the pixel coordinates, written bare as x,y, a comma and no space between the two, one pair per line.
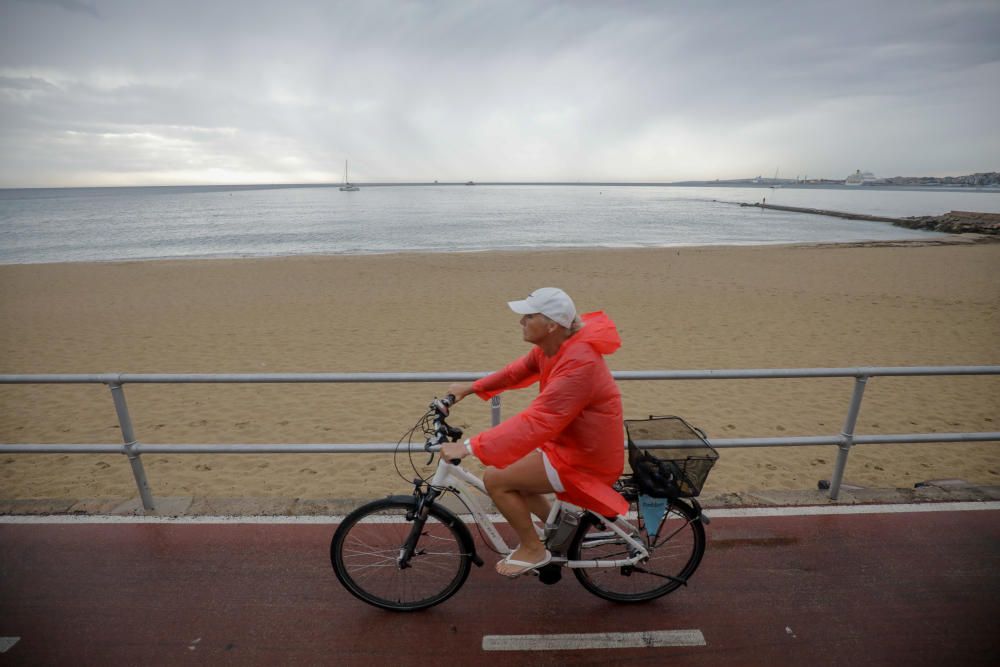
569,440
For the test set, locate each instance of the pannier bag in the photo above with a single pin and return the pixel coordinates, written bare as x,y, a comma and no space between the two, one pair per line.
672,472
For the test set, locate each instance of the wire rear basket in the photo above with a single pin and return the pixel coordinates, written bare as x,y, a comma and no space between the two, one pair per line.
668,472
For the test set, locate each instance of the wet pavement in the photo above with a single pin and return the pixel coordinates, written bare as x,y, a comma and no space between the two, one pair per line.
910,587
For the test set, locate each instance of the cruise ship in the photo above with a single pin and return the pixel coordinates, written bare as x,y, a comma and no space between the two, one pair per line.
861,178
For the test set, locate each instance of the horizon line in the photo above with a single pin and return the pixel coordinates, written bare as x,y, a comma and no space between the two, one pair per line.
753,181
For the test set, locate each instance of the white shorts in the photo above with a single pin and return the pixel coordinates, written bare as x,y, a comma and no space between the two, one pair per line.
552,474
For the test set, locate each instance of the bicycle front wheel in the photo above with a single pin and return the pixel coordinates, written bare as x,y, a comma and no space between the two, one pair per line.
365,554
675,550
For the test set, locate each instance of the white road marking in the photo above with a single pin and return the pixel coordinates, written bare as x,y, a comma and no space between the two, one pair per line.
595,640
734,512
6,643
818,510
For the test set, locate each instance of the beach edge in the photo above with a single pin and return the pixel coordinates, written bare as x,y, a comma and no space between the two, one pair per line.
932,491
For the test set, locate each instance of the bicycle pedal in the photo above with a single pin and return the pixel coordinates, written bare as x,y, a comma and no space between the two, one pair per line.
550,574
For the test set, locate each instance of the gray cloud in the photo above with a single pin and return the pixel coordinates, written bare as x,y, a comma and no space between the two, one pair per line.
68,5
234,92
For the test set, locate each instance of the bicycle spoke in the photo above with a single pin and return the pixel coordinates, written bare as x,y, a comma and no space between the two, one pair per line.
673,556
366,549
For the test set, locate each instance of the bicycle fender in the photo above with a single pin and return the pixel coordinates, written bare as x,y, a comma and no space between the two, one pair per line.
446,514
701,515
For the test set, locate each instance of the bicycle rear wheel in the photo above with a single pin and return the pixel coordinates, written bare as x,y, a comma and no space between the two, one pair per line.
365,550
674,554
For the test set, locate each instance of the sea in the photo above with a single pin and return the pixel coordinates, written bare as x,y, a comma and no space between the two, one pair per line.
150,223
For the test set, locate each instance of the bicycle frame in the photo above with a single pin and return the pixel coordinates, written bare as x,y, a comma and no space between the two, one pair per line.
458,480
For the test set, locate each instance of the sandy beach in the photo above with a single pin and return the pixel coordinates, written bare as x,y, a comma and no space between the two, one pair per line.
676,308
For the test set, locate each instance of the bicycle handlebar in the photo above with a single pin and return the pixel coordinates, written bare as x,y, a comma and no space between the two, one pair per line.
442,430
442,406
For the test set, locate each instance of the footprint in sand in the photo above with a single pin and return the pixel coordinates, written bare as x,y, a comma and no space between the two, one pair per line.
308,471
102,465
202,466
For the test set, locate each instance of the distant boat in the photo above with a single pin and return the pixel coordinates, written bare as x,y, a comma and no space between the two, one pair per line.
861,178
470,182
347,187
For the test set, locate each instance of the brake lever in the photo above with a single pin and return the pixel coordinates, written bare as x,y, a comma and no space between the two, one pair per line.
436,440
441,438
442,407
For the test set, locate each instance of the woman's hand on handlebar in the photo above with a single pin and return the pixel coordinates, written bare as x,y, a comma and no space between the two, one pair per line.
453,450
460,390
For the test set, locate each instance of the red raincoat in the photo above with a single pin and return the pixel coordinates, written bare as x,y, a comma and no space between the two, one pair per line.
576,419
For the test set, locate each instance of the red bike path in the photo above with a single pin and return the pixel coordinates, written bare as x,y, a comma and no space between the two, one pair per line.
913,588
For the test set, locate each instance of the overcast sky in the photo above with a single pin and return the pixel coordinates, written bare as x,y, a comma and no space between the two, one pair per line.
129,92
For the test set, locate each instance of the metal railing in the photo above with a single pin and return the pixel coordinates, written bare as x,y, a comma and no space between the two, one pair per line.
133,449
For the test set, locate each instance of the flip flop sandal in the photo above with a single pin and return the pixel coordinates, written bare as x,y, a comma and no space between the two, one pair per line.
524,566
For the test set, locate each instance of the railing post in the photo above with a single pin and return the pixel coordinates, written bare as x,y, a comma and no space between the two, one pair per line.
128,435
495,410
847,435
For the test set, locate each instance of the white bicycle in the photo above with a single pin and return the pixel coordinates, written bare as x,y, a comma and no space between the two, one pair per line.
406,553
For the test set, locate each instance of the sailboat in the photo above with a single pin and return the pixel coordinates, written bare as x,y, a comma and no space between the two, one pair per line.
347,187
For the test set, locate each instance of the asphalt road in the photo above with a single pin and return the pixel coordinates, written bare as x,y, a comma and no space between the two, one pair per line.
913,588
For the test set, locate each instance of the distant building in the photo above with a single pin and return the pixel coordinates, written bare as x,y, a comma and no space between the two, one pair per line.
861,178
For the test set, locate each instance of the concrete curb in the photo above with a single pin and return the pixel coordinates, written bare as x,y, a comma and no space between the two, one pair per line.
928,492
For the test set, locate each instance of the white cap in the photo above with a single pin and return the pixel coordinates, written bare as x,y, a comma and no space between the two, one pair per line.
549,301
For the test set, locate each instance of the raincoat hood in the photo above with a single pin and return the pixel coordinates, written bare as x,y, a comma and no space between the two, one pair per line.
599,332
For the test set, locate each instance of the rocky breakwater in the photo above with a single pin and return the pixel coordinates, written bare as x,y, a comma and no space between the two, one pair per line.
955,222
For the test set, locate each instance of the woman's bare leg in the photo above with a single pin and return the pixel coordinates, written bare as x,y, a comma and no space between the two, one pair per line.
516,491
539,505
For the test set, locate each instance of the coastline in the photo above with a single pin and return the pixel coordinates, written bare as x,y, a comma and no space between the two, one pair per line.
926,302
936,239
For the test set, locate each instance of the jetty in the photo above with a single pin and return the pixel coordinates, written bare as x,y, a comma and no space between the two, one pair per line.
954,222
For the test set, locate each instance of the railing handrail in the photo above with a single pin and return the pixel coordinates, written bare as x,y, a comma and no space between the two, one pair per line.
390,447
134,449
713,374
